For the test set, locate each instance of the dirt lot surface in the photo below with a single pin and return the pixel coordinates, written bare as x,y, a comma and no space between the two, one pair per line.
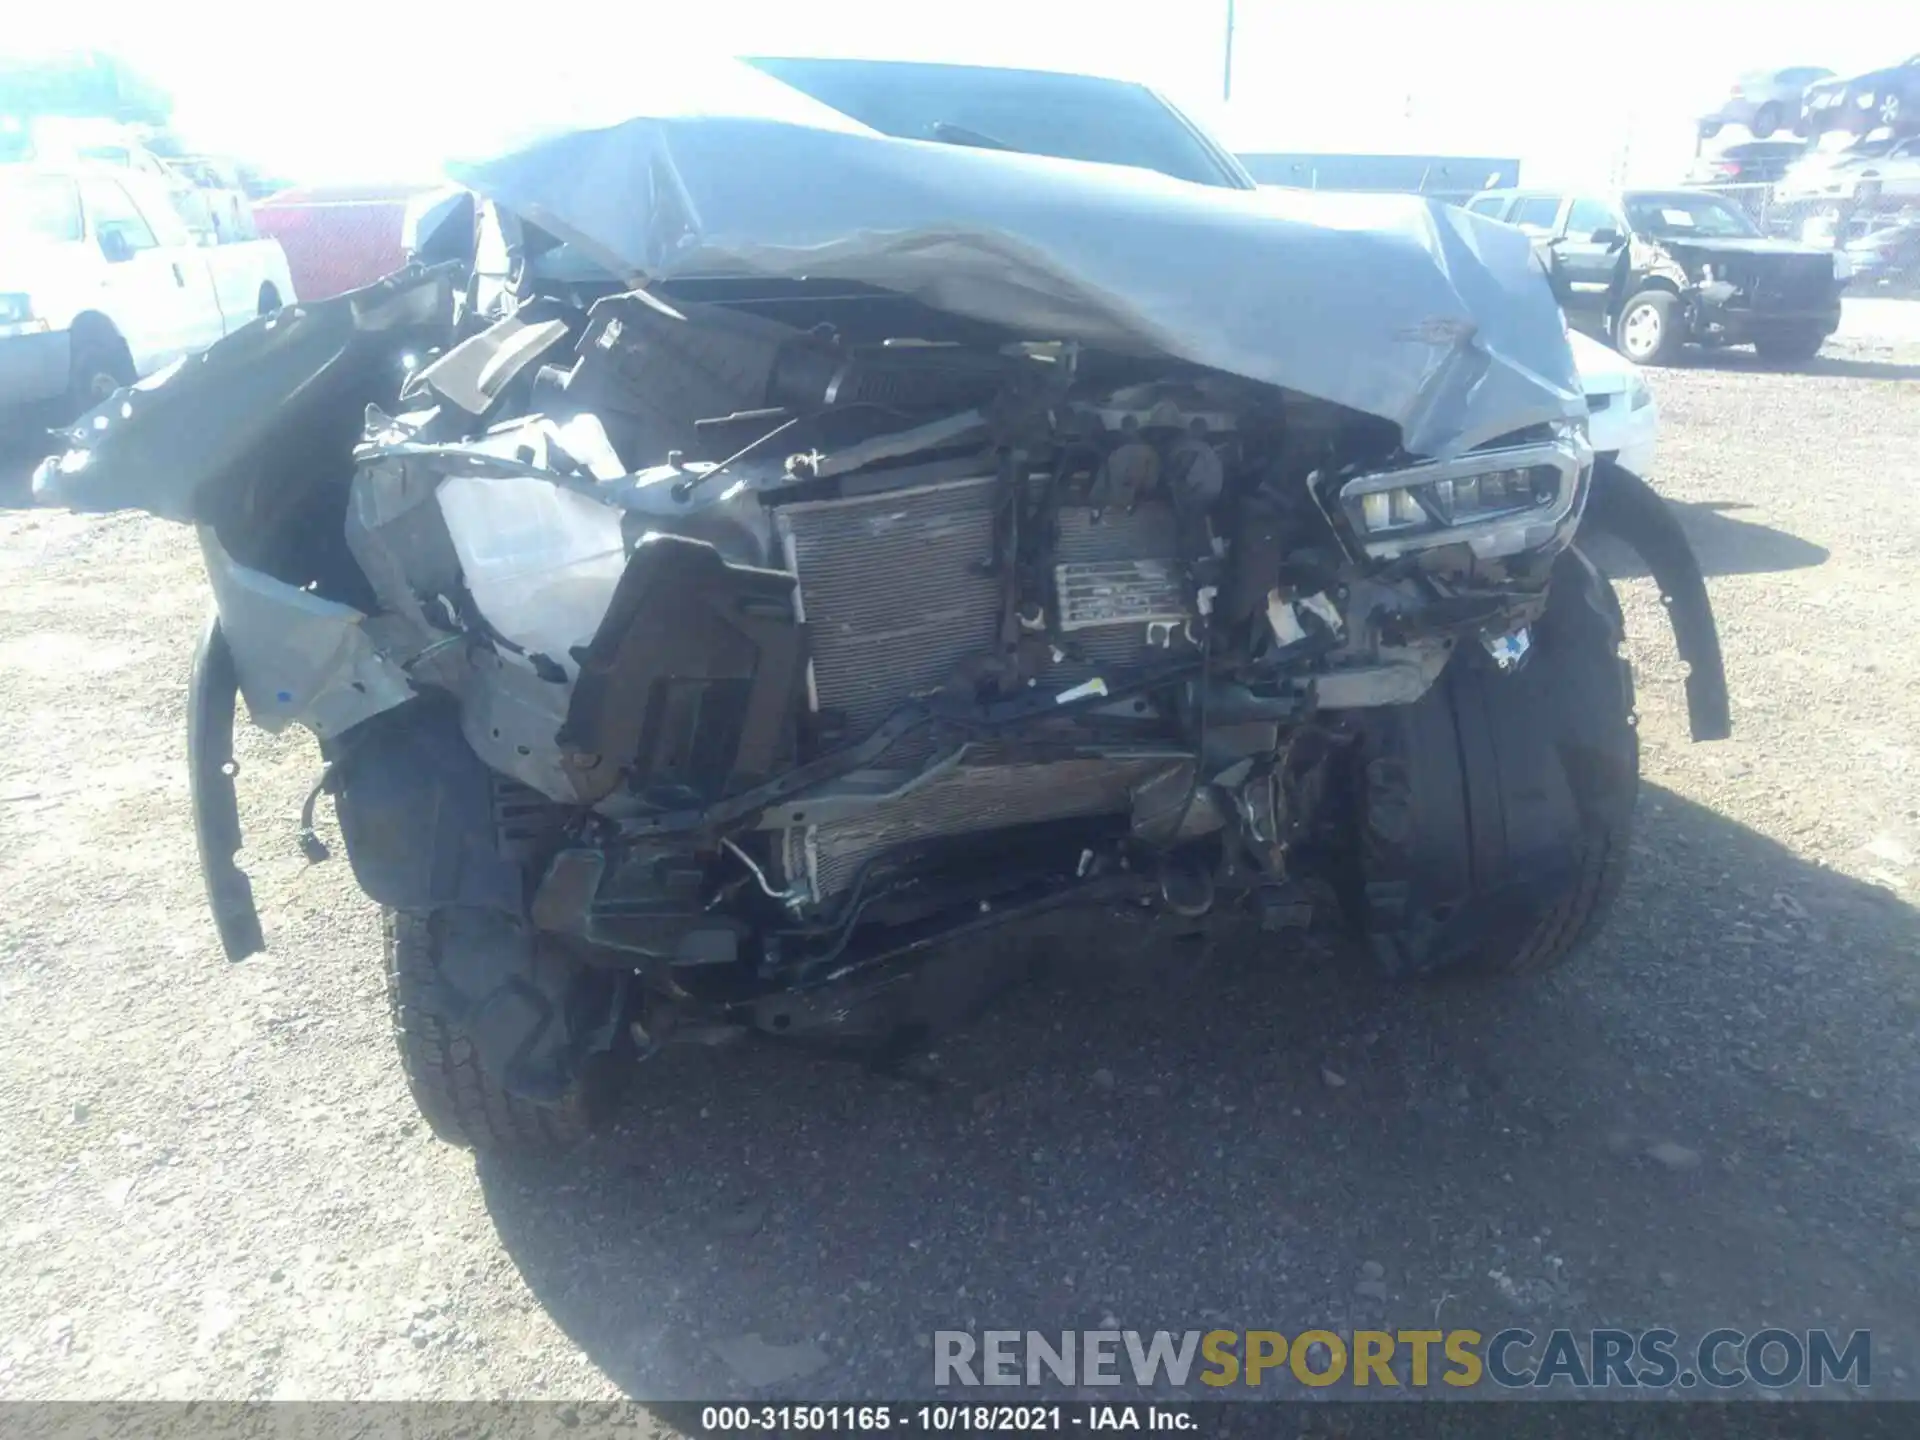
213,1183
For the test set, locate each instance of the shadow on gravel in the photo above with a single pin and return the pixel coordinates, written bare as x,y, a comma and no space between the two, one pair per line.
1843,367
17,462
1708,1121
1724,543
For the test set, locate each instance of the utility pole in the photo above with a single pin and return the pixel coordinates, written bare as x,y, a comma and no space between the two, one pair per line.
1226,78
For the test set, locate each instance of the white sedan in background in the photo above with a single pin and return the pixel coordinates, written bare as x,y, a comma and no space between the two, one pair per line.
1623,422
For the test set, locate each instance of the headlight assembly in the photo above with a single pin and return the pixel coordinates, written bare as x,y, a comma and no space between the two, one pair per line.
1638,395
1499,502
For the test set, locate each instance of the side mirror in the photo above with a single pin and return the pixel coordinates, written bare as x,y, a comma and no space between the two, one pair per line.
115,246
1608,236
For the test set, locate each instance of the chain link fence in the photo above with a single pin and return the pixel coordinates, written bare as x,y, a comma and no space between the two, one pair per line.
1816,220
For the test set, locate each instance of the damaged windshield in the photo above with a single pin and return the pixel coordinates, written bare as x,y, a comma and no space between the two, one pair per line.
1679,216
1070,117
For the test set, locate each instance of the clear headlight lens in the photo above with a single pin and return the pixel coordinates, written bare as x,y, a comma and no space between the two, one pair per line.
1458,501
1500,502
1388,510
1638,395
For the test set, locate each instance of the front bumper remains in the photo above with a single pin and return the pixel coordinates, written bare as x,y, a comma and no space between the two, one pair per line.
1621,504
1721,313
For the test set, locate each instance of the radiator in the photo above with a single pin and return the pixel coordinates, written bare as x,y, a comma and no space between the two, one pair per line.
889,591
894,603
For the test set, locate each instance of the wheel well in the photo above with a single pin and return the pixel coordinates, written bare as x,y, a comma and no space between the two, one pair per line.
92,326
269,297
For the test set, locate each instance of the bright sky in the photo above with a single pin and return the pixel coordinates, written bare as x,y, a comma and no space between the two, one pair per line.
377,89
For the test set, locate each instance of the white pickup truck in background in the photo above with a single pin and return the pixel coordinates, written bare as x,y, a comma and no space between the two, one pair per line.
104,280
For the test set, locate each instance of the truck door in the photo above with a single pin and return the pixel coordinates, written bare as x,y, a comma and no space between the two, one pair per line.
1539,217
1589,249
140,290
187,257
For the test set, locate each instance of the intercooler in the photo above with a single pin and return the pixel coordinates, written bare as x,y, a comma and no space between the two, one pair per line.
980,793
896,598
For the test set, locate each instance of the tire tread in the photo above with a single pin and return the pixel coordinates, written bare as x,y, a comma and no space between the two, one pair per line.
460,1102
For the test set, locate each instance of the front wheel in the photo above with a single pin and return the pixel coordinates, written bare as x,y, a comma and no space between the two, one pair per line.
506,1047
1496,811
98,365
1649,328
1790,347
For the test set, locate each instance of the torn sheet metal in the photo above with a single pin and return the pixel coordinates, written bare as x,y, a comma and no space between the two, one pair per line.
300,658
1401,307
275,398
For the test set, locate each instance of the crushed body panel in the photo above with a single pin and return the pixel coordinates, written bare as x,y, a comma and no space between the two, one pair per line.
1400,307
969,536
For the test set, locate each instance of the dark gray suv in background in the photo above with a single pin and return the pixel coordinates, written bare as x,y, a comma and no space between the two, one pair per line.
1654,270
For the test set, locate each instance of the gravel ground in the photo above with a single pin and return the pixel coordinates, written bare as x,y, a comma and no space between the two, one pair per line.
214,1185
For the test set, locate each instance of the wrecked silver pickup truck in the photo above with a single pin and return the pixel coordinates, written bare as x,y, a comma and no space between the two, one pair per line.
770,551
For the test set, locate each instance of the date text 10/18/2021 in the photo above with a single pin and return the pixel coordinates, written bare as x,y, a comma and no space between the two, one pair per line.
941,1419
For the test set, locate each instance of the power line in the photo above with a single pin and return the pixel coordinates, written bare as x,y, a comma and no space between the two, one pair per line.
1226,78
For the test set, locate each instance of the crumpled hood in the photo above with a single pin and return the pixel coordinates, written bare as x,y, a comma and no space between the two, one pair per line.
1400,307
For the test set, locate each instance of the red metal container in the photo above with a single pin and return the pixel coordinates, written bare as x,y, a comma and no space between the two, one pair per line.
337,237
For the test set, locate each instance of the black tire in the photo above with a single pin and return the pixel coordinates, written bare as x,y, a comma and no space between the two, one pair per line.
1497,811
1766,120
1657,316
1790,347
1709,129
98,365
490,1035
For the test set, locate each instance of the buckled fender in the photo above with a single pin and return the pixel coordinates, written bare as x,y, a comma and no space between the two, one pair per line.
211,694
1625,506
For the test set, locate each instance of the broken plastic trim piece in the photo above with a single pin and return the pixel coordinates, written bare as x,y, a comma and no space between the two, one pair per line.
211,692
1626,506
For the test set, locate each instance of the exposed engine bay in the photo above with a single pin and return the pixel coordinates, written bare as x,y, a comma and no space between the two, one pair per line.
745,639
960,587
